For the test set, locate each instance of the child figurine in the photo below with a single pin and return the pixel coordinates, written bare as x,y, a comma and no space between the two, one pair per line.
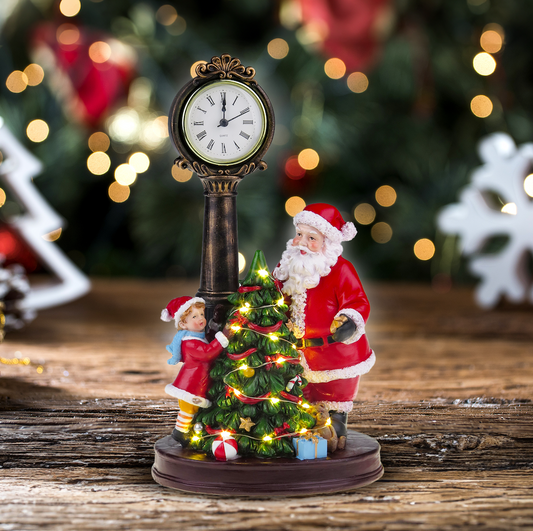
194,356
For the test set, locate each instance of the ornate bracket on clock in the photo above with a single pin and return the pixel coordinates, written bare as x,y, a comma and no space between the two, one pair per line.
226,67
203,170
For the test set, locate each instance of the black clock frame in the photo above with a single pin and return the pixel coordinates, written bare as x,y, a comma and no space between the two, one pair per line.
220,68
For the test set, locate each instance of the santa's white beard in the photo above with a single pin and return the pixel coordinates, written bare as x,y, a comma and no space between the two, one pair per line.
301,272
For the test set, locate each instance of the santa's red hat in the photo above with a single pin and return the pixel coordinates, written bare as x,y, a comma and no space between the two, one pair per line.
327,220
176,307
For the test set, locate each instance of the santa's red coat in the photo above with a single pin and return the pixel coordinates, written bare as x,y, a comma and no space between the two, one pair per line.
333,370
193,380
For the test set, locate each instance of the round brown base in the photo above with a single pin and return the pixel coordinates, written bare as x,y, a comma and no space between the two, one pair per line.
357,465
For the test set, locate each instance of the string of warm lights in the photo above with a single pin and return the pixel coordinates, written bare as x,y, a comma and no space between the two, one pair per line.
247,308
273,400
26,362
225,434
22,361
279,360
271,336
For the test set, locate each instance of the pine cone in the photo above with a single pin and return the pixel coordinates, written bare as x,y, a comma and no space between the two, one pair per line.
14,287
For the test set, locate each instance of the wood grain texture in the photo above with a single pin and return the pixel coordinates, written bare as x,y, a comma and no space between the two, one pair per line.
449,400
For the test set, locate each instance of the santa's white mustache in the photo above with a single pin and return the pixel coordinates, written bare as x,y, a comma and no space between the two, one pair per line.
305,250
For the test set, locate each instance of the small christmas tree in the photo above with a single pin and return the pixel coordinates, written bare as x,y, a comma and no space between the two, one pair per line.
256,394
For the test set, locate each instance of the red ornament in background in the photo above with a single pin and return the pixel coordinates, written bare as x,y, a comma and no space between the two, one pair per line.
293,170
16,251
353,29
295,180
89,71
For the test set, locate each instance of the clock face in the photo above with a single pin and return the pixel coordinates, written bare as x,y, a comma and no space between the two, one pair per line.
224,122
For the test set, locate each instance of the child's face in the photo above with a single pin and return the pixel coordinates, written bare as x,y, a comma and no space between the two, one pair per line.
195,321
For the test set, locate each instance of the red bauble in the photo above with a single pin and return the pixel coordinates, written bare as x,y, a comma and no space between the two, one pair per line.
354,28
88,82
16,251
225,448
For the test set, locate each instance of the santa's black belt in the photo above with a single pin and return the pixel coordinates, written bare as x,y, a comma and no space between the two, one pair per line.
314,342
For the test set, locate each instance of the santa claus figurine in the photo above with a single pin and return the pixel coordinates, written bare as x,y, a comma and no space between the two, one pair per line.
194,357
328,308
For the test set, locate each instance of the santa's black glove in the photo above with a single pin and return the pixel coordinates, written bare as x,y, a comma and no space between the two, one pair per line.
343,328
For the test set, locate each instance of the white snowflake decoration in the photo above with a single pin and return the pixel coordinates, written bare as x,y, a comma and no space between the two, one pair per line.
474,219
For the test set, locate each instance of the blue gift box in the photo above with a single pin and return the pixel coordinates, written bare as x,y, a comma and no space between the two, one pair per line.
314,447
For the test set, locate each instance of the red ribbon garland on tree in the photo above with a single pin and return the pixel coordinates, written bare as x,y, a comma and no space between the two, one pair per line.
248,289
289,397
213,431
270,360
238,319
266,329
248,399
284,429
243,355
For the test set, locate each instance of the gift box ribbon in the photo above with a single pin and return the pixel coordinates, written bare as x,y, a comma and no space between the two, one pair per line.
308,437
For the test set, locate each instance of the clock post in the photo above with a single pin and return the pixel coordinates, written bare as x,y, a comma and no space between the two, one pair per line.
219,272
222,124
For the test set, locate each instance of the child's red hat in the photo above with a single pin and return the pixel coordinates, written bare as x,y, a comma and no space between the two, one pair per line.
176,307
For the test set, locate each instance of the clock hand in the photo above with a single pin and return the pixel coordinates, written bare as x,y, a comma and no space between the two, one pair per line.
244,111
223,122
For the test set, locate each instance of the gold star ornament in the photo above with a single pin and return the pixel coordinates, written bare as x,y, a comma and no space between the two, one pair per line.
246,423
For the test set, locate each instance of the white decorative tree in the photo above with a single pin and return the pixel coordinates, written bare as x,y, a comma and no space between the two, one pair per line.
476,219
16,172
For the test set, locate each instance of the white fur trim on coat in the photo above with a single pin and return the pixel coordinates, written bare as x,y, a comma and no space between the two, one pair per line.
336,374
222,339
357,318
305,217
192,338
187,397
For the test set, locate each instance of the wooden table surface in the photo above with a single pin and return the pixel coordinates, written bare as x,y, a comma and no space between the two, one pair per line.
449,400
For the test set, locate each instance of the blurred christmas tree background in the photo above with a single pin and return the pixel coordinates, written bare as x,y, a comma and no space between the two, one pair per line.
379,109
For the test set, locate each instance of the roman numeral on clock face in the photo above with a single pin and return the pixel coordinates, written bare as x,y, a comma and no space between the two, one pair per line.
211,144
198,123
247,122
201,135
200,109
244,111
210,100
238,147
235,100
244,135
223,147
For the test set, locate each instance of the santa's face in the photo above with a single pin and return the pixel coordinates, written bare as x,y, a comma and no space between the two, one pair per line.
309,237
308,257
195,321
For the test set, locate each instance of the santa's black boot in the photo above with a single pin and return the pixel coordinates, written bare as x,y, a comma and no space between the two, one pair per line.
181,437
339,420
